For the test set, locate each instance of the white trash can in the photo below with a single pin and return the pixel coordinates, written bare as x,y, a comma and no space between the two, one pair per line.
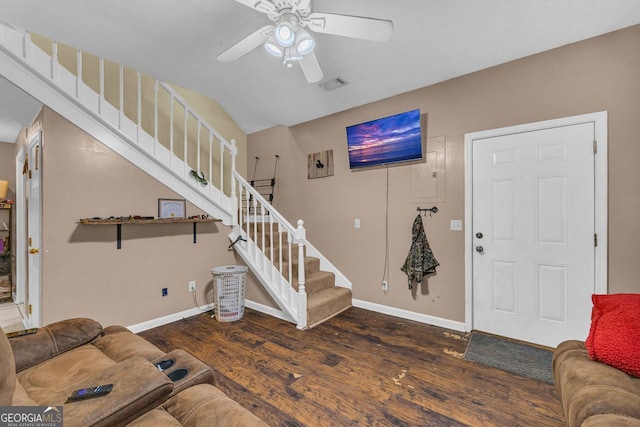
228,292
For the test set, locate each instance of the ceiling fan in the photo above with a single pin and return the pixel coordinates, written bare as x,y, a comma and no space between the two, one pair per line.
287,37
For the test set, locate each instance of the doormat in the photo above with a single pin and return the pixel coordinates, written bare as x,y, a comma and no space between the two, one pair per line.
510,356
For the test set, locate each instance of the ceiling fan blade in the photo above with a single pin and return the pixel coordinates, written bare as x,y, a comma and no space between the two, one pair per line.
358,27
311,68
259,5
246,45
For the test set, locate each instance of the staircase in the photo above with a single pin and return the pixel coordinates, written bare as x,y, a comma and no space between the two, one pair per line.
305,285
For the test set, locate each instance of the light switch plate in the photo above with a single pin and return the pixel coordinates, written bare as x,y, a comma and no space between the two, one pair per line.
356,223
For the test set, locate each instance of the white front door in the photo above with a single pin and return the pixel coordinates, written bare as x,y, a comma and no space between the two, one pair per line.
533,233
34,231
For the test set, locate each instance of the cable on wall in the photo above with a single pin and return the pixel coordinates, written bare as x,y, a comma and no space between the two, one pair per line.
385,273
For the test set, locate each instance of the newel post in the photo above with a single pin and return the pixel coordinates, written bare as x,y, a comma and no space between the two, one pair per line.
301,236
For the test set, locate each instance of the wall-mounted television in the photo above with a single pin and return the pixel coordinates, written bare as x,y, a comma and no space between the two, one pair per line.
391,139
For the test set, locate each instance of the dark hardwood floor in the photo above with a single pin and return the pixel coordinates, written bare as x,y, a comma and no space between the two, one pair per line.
359,368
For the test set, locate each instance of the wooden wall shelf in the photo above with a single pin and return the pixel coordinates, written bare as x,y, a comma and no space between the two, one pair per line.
119,221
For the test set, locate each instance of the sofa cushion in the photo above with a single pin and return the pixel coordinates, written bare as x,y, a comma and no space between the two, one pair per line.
7,371
614,337
51,340
48,382
120,344
206,405
155,418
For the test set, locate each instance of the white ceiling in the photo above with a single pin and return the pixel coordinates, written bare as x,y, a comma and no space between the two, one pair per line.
433,41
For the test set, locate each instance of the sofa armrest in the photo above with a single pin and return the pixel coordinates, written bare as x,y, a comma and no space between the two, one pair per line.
119,343
51,340
138,387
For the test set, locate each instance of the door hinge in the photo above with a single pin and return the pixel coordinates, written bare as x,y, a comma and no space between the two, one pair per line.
595,147
30,309
595,240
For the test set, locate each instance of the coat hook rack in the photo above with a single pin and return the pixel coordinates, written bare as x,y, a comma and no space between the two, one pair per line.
430,210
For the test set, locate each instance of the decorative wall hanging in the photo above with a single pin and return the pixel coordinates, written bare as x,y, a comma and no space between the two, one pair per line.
320,164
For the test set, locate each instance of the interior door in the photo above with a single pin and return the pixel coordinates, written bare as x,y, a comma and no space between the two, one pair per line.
34,231
533,234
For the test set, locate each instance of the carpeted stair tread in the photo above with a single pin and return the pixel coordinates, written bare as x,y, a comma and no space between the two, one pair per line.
326,304
316,282
311,265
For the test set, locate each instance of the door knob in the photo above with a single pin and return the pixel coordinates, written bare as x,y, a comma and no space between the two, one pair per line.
479,235
480,249
34,251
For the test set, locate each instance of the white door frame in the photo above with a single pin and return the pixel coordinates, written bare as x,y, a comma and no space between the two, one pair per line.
35,285
599,119
21,229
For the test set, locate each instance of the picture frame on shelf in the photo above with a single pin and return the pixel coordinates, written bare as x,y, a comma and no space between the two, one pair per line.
172,208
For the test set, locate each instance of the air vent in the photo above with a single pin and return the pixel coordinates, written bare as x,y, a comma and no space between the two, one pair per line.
333,84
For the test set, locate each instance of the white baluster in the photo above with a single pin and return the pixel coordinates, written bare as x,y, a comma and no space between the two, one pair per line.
79,72
280,253
54,60
121,78
273,278
155,116
221,171
101,99
290,272
27,48
255,228
184,152
139,106
234,153
172,101
198,149
300,239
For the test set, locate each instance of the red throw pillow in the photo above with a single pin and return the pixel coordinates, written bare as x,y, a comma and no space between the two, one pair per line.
614,337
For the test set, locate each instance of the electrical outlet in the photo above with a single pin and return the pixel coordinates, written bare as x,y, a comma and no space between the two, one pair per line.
192,286
165,292
385,286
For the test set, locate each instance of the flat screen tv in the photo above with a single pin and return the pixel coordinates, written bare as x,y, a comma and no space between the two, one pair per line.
387,140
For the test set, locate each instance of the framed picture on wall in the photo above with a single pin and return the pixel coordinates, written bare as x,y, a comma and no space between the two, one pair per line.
172,208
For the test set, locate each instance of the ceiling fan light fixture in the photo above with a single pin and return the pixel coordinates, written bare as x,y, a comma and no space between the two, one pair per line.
284,33
273,48
304,42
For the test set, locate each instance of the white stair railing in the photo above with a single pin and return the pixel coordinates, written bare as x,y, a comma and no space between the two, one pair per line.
176,137
266,243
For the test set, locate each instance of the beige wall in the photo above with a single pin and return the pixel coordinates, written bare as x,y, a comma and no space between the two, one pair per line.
594,75
83,272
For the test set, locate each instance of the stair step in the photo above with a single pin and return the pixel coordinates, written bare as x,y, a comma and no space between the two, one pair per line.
326,304
311,265
317,281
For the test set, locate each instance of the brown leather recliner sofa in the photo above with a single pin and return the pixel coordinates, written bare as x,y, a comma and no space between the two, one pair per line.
150,387
594,393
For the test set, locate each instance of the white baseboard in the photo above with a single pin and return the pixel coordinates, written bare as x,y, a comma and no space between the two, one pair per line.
410,315
154,323
265,309
378,308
